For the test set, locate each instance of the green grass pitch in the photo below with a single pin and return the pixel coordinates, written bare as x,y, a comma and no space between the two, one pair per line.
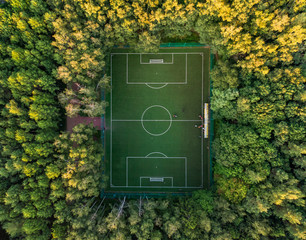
152,144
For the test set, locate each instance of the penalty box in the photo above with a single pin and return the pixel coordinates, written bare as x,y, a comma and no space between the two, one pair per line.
158,68
159,172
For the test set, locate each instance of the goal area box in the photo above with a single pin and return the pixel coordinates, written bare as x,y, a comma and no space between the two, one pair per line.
155,141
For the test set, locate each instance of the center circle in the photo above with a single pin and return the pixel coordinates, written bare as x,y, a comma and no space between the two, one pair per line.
156,120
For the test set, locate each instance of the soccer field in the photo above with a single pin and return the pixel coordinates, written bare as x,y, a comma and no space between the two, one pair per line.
155,139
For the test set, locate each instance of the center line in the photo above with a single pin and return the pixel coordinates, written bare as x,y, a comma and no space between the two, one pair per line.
135,120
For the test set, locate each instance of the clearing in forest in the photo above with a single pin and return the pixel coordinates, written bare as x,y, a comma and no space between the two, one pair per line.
155,139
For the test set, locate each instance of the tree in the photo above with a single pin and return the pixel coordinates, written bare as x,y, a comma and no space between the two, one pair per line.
27,92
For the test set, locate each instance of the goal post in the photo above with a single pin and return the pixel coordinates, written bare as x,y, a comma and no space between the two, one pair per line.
164,182
156,61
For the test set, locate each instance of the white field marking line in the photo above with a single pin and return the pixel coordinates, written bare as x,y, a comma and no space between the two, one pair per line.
141,62
177,53
148,85
159,134
144,177
153,120
180,187
186,71
113,186
185,172
155,157
145,120
186,68
202,140
111,125
156,83
127,167
127,69
164,155
127,171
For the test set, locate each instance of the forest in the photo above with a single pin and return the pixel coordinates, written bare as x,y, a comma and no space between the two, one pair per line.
50,179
